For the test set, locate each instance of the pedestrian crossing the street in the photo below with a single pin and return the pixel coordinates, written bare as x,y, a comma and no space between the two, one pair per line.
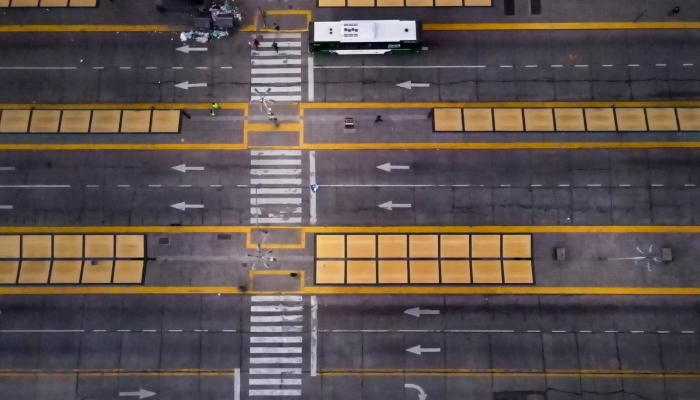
275,187
276,72
276,357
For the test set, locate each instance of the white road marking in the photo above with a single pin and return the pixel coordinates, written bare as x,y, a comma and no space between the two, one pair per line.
123,186
275,89
581,65
272,53
310,78
124,67
280,44
34,186
632,65
275,371
258,211
98,67
92,186
557,66
624,184
295,299
660,65
399,66
314,335
276,318
278,98
151,67
177,67
202,68
274,392
274,79
687,65
276,61
272,220
506,66
273,71
275,360
236,384
274,381
607,65
276,191
226,67
275,200
275,329
292,153
278,308
276,339
594,185
275,350
38,68
281,35
291,161
656,184
312,181
279,171
690,185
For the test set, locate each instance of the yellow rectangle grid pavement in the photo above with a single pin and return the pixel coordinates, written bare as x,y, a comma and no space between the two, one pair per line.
567,119
423,258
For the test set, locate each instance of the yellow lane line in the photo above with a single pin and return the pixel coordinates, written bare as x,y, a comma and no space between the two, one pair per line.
282,127
589,373
358,229
90,28
561,26
497,146
121,106
114,372
353,290
125,146
509,104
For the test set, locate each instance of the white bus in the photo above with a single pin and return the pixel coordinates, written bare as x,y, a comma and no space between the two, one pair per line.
365,37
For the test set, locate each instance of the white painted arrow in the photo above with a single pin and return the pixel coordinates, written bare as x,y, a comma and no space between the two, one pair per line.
187,49
409,85
141,394
388,167
421,395
420,350
186,85
185,168
390,205
7,168
416,312
6,207
182,206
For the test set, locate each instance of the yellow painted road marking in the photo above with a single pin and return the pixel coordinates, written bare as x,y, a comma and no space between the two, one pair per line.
91,28
122,106
269,127
349,290
114,372
561,373
508,104
589,26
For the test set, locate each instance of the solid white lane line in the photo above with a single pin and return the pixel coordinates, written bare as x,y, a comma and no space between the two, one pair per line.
275,350
312,181
275,360
275,191
274,381
274,392
275,329
236,384
314,335
273,181
296,299
272,53
273,79
275,220
295,161
281,35
276,339
272,71
275,171
275,371
274,200
276,318
310,80
275,89
258,153
277,98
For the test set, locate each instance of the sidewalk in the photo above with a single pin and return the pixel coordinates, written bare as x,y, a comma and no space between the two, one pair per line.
137,12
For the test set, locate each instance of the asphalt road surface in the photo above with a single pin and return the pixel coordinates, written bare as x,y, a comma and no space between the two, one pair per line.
458,65
341,347
424,187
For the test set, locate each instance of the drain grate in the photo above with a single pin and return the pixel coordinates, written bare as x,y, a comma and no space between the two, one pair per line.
535,7
163,240
509,7
223,236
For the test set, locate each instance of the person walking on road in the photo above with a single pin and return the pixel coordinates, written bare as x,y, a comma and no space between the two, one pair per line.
674,11
276,47
256,43
379,119
214,107
277,27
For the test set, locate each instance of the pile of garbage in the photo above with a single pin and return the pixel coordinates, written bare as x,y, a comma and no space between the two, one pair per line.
206,26
203,35
225,9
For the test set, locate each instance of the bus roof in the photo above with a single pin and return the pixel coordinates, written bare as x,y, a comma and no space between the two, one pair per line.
364,31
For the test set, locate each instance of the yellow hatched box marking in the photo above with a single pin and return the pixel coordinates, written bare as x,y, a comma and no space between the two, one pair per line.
34,271
689,119
362,272
631,119
128,271
14,121
330,246
454,246
447,119
4,3
569,119
68,246
66,271
105,121
517,246
508,119
448,3
393,271
136,121
8,272
478,119
539,119
99,246
662,119
478,3
75,121
424,271
455,271
517,271
393,246
36,246
486,246
45,121
600,119
330,271
486,271
362,246
423,246
9,246
99,271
